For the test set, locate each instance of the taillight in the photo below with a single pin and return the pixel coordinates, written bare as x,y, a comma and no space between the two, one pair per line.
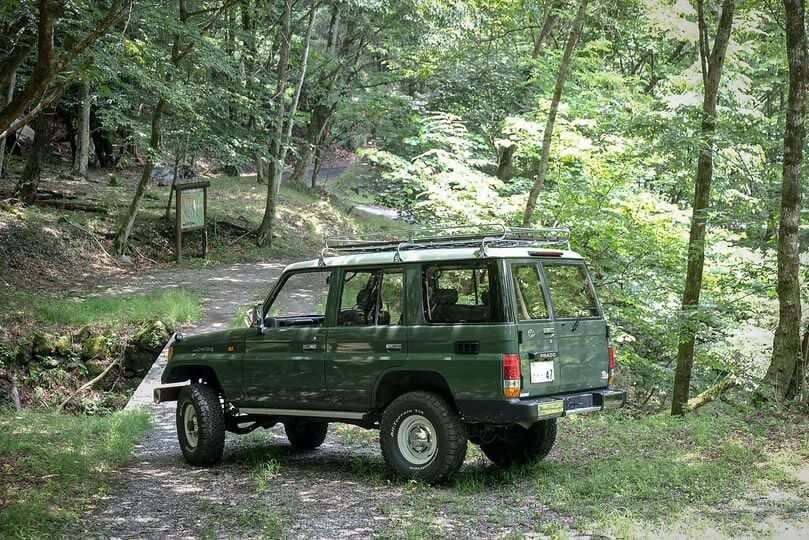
511,375
611,352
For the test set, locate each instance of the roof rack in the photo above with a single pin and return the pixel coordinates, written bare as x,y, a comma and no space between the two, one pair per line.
482,236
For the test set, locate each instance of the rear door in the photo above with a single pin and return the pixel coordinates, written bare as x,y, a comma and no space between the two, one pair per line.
539,348
580,330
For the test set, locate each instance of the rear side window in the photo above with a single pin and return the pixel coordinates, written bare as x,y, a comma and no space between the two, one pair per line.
571,293
528,291
461,293
371,298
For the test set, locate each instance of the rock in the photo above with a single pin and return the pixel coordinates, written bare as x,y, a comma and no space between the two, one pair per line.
95,347
63,345
145,345
151,337
125,259
84,333
42,344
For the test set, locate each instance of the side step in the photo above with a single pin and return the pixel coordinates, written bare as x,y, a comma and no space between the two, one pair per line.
346,415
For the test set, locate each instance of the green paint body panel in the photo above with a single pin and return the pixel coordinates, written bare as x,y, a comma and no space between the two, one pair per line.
340,368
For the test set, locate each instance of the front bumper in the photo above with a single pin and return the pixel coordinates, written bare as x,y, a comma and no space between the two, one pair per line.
529,411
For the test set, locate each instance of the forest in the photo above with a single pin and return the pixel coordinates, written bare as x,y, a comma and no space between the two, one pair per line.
668,135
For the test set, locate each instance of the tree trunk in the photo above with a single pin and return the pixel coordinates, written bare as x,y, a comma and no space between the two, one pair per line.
711,62
125,228
27,186
505,162
786,372
11,82
83,157
547,27
281,142
298,176
561,77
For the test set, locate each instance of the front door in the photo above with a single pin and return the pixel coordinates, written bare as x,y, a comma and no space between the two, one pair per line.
370,336
539,346
283,365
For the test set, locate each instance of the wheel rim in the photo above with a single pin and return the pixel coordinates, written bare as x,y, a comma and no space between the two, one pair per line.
417,439
191,425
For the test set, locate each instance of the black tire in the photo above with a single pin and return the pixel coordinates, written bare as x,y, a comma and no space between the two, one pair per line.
200,411
520,446
305,435
443,458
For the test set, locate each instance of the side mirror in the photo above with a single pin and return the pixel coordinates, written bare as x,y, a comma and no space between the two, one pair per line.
255,319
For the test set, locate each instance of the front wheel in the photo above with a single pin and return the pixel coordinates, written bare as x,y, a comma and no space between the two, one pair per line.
422,438
200,425
519,446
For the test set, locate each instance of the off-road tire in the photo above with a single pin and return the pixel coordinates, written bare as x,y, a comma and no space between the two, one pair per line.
306,435
210,419
520,446
450,437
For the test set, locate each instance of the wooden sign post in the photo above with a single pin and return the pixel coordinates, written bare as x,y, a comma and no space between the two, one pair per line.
191,211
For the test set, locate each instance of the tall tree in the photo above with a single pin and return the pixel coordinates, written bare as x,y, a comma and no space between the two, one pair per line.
83,155
711,61
283,124
787,369
547,135
39,90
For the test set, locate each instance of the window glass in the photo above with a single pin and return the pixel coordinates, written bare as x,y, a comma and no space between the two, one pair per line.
371,297
528,290
571,293
459,293
302,294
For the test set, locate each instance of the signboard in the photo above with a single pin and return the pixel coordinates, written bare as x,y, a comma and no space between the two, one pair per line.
191,213
192,209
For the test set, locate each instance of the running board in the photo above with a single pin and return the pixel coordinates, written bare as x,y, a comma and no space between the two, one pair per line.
347,415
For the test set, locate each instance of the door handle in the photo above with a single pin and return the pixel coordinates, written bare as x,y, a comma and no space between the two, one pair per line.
393,347
548,331
310,346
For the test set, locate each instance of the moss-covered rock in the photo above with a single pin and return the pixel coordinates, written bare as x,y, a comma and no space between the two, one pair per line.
42,345
95,347
63,345
151,337
144,347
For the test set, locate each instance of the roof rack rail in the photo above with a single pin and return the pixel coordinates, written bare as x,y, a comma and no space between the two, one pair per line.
482,236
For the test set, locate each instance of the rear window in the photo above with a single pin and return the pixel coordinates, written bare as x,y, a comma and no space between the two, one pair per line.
461,293
528,291
571,292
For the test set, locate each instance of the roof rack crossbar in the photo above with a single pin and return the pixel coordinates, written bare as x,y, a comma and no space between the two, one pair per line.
450,236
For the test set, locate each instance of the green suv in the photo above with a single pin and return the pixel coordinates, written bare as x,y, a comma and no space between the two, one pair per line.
440,338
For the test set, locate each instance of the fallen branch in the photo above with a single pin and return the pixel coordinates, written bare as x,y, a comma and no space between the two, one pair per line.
711,394
64,204
87,385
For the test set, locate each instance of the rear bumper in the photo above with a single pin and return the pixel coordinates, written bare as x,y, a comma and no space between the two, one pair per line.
528,411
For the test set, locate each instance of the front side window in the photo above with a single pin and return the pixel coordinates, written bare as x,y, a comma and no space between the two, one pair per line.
460,294
371,298
571,293
302,295
528,290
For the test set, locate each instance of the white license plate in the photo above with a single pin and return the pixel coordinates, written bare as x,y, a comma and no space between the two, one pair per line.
542,372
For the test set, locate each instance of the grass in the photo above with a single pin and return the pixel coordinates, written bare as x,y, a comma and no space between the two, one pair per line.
52,466
176,306
626,476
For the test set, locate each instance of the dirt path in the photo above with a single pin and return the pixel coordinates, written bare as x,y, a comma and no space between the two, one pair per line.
264,489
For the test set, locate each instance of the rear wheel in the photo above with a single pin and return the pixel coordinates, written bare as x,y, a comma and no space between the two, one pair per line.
518,446
200,425
306,435
422,438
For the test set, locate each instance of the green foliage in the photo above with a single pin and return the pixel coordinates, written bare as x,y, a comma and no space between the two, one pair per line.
51,467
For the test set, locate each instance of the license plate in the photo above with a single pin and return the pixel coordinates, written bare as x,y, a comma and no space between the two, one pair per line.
541,372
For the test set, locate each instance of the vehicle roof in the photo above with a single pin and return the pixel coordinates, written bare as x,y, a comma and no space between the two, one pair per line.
428,255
